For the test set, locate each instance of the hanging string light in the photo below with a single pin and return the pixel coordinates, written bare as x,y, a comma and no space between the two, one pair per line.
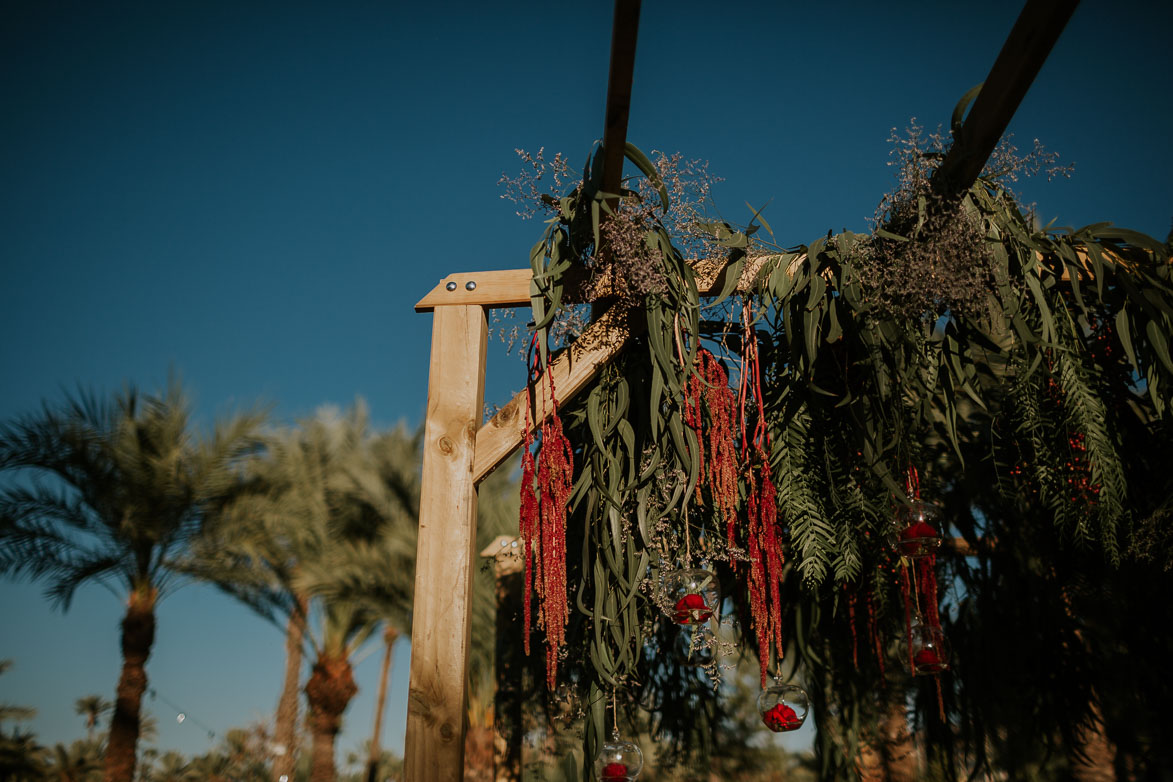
181,714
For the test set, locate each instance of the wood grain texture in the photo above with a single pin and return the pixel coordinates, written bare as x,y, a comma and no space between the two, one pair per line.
434,747
509,288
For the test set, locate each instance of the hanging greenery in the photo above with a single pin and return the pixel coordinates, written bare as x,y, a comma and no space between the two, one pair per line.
764,431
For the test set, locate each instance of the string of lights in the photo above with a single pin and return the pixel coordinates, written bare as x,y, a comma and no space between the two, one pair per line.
181,716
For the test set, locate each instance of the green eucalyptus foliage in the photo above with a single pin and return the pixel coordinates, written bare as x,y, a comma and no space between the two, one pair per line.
1038,421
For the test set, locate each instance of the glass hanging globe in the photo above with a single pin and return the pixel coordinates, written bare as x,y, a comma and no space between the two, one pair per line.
694,595
618,761
783,707
930,653
917,534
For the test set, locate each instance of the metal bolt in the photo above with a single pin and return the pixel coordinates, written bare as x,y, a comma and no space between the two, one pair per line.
471,285
451,286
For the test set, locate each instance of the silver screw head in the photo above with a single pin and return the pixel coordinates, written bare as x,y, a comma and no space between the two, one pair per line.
451,286
470,285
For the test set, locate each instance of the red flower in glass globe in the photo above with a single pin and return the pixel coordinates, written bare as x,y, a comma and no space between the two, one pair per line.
618,761
930,654
782,718
691,610
918,537
693,596
783,707
614,772
928,661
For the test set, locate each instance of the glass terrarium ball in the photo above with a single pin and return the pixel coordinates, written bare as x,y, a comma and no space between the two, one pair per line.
930,654
618,761
783,707
694,595
918,534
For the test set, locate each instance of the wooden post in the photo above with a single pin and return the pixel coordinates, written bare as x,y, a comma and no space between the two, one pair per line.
509,570
434,747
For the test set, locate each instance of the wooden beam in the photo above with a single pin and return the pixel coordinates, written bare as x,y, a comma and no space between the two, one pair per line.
1022,56
620,75
509,288
434,748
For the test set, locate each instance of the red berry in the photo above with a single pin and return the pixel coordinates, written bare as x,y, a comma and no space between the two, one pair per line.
614,772
691,610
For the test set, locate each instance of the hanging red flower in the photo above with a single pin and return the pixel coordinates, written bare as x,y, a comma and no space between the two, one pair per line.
708,391
763,535
545,495
782,718
691,610
783,707
614,772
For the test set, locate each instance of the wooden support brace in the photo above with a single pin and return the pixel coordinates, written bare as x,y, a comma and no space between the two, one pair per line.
434,747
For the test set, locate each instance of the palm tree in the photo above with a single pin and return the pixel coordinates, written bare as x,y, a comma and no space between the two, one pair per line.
310,529
9,712
93,708
128,484
20,756
393,484
76,763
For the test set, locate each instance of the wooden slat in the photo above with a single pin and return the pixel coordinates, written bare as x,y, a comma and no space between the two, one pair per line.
1030,41
434,748
509,288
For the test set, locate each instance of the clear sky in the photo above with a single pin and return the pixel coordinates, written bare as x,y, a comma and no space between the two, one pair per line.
255,195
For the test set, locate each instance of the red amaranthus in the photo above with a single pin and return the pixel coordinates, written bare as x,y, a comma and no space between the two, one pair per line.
545,494
708,390
764,535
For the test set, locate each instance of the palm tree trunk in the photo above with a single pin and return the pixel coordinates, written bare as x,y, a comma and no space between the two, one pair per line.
390,636
1094,762
285,730
899,745
329,691
869,763
138,635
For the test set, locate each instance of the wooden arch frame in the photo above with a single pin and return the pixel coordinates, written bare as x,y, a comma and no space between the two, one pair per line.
459,452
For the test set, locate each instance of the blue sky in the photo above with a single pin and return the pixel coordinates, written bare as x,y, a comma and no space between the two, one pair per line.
255,195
